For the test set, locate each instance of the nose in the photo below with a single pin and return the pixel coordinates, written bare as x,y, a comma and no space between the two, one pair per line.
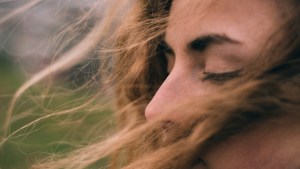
178,87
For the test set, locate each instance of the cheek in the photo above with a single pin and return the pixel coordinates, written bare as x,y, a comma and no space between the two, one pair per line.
263,148
230,154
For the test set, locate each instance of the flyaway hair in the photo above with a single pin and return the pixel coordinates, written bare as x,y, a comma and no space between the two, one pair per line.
133,68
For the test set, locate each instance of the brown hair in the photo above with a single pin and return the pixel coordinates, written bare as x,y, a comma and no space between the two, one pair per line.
267,90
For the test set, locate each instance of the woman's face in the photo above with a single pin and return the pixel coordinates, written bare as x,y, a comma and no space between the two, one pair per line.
208,43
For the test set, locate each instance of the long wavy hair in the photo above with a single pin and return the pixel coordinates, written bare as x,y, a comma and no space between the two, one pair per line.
131,65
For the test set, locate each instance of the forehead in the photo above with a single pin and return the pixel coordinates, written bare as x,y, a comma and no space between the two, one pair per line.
240,19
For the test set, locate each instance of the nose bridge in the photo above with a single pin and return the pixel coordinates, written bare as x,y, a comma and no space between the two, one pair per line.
174,88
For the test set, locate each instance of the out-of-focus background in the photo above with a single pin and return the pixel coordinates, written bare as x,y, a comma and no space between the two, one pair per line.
28,43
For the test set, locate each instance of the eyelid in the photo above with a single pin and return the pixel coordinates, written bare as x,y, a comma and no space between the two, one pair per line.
221,77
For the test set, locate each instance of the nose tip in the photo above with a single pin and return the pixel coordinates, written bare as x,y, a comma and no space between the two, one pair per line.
168,95
160,103
149,114
155,110
179,85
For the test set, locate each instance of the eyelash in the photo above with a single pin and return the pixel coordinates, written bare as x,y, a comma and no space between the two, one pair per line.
221,77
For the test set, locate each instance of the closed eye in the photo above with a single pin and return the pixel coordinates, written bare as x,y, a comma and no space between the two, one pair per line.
221,77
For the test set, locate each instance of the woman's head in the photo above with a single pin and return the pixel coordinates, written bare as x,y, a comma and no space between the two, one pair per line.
201,83
165,40
202,45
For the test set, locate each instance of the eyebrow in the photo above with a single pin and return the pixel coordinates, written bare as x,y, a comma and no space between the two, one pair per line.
201,43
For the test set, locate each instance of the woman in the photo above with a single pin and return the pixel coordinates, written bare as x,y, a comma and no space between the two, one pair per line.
203,84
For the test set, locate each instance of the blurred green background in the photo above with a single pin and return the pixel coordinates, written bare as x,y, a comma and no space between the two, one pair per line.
53,135
28,43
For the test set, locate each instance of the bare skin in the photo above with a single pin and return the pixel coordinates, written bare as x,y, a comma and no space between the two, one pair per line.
272,145
219,37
